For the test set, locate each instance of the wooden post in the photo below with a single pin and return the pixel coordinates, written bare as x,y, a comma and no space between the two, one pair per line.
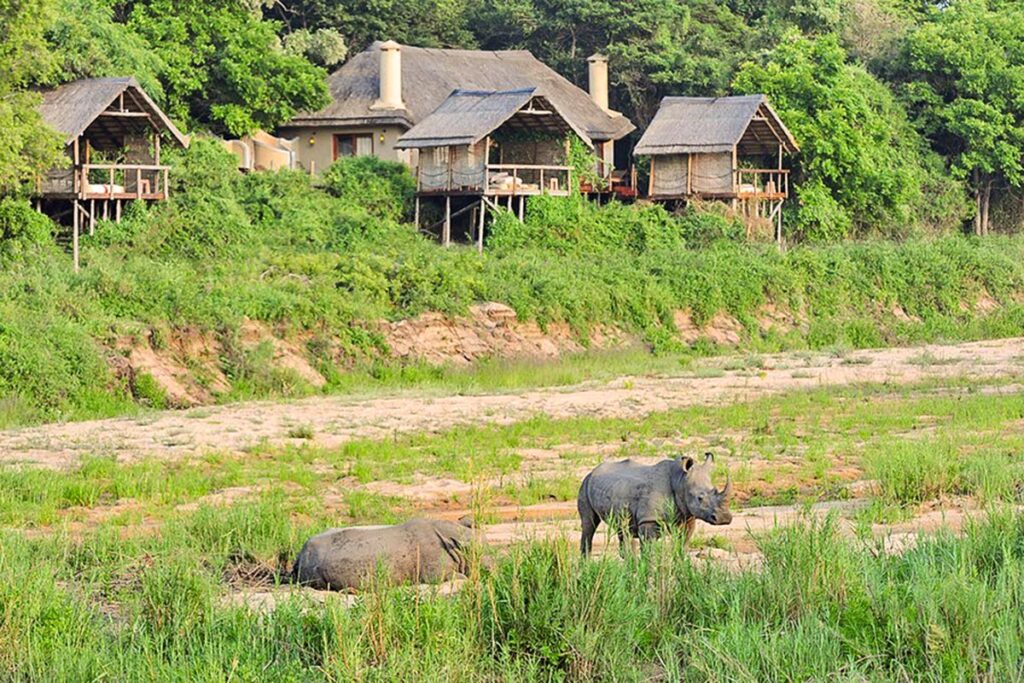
451,156
74,233
92,217
487,165
138,182
117,211
106,210
778,229
156,147
480,227
76,170
689,174
735,176
446,235
416,212
522,207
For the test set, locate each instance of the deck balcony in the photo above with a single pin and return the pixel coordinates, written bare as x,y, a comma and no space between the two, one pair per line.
762,183
496,180
107,181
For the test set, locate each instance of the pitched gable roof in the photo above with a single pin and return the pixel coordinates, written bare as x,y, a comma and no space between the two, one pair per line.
695,125
468,116
71,108
429,75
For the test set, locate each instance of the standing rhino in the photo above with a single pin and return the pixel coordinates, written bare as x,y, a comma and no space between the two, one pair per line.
650,497
419,551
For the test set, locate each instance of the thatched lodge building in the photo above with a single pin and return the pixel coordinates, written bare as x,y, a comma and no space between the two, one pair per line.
384,91
113,132
485,147
720,148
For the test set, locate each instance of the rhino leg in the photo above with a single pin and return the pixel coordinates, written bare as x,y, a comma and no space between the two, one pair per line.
589,521
690,524
648,531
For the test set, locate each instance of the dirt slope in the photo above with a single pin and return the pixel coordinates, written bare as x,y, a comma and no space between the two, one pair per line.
338,419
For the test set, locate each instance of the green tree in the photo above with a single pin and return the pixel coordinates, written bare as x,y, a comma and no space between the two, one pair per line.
963,71
27,146
224,65
428,23
88,42
655,47
862,164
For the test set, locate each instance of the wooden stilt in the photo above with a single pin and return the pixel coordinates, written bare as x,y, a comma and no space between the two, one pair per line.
106,210
416,213
92,217
117,211
446,235
522,208
74,233
480,227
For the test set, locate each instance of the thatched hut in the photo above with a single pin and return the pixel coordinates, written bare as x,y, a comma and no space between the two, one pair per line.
723,148
489,146
112,135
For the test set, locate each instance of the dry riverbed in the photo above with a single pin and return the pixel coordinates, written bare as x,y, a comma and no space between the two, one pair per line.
330,421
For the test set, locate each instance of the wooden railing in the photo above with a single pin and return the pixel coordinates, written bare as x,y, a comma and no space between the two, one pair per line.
762,182
522,179
122,181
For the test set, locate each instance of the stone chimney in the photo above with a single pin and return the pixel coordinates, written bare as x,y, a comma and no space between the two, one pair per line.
598,72
390,77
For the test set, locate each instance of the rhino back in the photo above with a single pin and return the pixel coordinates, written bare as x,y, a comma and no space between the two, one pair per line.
628,487
346,558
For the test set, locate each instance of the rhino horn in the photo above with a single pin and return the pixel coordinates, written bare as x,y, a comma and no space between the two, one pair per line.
728,485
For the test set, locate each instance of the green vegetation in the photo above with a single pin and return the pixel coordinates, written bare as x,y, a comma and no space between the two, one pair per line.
820,606
144,566
319,261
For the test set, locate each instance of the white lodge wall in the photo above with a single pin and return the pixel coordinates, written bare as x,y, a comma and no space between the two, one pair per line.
314,147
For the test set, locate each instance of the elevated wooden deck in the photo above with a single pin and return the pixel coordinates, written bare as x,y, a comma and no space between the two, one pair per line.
497,180
106,182
758,184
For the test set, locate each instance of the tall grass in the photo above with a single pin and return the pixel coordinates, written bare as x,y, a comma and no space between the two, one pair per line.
821,607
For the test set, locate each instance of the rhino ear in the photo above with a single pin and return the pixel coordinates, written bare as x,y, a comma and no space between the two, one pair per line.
686,463
709,457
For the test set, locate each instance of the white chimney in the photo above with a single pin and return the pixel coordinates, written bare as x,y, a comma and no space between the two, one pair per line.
390,77
598,72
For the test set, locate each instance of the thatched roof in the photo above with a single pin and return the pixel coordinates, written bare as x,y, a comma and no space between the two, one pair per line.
75,107
468,116
429,75
702,125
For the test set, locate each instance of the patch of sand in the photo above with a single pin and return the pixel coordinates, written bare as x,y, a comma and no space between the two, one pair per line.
335,420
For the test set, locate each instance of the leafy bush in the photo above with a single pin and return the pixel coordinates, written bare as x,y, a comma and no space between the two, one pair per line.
383,188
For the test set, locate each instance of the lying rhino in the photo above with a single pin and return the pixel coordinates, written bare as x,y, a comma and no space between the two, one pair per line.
419,551
649,498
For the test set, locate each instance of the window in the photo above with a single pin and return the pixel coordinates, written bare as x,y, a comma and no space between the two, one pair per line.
353,145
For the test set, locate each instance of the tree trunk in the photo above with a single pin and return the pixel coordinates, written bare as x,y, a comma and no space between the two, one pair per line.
976,178
986,204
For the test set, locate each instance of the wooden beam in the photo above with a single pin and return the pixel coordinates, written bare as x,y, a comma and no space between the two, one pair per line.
125,114
480,226
74,233
446,234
